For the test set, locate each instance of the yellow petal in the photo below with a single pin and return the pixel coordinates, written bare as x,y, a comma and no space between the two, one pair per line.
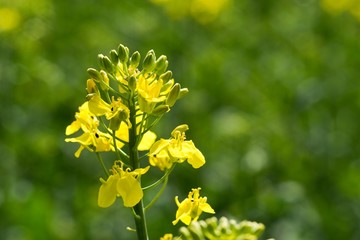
147,141
84,139
130,190
108,192
194,157
98,106
78,152
140,171
207,208
72,128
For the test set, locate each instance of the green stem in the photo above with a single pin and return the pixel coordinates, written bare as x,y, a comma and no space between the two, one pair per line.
102,164
139,218
164,177
158,194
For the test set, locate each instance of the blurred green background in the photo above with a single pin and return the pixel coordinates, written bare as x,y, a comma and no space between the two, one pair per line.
273,105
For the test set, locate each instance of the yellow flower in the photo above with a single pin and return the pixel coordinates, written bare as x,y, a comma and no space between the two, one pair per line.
190,209
92,138
116,111
121,183
149,93
167,236
164,153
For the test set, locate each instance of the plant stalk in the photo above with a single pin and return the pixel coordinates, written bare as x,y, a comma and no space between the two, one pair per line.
140,220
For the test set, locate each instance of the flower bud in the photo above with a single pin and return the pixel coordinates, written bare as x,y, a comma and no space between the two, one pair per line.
91,86
183,92
101,62
166,76
104,76
114,57
108,66
165,89
132,83
94,74
149,61
161,64
173,95
104,83
181,128
123,53
135,59
160,110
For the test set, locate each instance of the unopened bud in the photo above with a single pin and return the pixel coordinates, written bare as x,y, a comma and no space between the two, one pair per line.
108,66
132,83
149,61
183,92
104,84
166,76
160,110
114,57
135,59
181,128
123,53
91,86
167,86
161,64
173,95
101,61
94,74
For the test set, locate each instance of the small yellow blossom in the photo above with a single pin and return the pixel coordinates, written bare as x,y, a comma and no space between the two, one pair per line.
92,138
167,236
149,93
164,153
121,183
116,110
190,209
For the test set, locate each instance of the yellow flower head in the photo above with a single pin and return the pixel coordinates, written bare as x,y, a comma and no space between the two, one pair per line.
92,138
190,209
121,183
164,153
116,111
149,90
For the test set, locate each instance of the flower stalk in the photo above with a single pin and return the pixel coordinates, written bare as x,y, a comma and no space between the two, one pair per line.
139,217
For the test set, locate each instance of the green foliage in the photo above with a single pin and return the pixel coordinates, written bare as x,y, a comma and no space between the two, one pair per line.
273,103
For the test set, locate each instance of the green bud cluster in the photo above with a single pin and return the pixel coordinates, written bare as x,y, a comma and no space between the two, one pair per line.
222,229
119,72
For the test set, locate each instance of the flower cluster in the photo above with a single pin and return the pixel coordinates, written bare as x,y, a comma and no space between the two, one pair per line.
122,105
